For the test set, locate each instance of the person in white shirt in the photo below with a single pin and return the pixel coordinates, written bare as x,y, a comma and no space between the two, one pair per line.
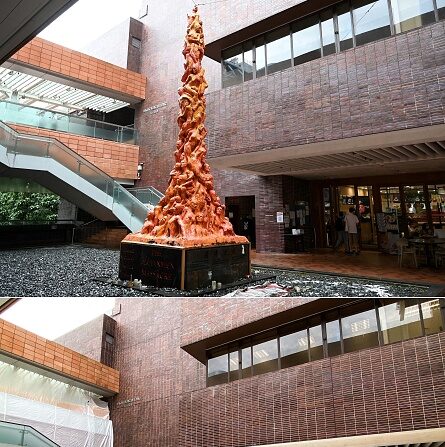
351,224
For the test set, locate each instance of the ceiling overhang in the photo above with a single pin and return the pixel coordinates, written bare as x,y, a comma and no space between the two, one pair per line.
389,153
6,302
310,307
21,20
303,8
14,65
60,377
50,94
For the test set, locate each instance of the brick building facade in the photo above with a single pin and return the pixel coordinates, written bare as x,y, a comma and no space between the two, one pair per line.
164,399
370,114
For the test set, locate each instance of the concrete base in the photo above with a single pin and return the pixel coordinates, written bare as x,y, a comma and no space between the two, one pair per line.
184,268
433,437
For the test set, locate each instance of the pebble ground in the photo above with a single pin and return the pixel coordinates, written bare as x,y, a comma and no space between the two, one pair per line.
70,271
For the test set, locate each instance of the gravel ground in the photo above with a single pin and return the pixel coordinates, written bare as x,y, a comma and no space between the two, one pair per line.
70,271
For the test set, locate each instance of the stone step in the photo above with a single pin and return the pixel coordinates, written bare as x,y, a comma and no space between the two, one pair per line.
108,237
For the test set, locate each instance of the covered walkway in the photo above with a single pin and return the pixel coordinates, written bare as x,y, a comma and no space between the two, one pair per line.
370,264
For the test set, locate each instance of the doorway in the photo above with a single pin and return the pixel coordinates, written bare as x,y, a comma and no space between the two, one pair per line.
241,212
361,199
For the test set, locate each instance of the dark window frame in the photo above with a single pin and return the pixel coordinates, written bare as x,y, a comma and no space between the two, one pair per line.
334,9
306,324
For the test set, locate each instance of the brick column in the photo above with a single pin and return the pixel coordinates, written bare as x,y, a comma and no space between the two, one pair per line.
269,202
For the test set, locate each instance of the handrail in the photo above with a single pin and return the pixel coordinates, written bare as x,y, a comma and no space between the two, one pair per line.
117,198
109,131
37,222
147,194
17,434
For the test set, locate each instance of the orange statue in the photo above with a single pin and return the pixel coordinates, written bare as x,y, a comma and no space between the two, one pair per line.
190,214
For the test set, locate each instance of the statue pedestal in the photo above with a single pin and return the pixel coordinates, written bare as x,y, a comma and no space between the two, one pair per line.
184,268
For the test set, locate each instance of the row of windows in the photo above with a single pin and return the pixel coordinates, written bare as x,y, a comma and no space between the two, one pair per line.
348,24
366,324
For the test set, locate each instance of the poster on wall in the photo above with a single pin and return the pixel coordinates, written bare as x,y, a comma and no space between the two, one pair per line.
391,222
387,222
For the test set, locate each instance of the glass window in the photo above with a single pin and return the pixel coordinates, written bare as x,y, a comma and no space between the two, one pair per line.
441,8
327,32
246,362
265,356
135,42
306,40
232,66
437,205
234,365
344,20
316,342
294,349
217,369
409,14
416,208
432,317
333,336
371,19
360,329
260,57
400,320
248,61
278,50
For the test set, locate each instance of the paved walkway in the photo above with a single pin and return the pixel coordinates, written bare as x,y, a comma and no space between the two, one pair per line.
370,264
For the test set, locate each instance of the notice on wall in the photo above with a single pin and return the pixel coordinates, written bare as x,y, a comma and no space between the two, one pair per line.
280,217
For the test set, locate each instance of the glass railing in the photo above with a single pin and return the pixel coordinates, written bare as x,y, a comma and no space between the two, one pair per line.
16,113
23,435
148,195
126,207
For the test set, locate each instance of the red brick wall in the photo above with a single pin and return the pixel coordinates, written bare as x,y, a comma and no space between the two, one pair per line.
201,318
60,61
90,339
47,354
236,14
372,391
393,388
388,85
118,160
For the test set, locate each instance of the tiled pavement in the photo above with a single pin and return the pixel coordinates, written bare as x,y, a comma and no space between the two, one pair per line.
370,264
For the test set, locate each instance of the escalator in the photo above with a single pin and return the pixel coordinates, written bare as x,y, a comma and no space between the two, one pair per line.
22,435
56,167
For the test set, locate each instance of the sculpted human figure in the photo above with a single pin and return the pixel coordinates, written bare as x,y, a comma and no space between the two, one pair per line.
190,213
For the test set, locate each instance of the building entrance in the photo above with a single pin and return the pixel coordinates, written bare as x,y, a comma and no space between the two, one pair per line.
361,199
241,212
387,211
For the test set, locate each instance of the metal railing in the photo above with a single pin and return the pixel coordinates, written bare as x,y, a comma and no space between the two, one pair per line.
109,193
16,113
148,195
23,435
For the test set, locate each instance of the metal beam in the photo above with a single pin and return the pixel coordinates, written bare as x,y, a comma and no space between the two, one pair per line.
421,148
412,150
25,95
433,146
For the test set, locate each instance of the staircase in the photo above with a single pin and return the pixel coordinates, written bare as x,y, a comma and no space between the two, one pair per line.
56,167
